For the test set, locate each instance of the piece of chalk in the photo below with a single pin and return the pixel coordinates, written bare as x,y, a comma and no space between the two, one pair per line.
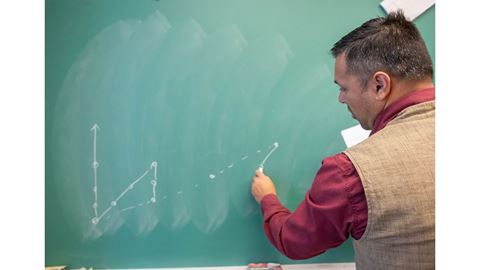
260,169
264,266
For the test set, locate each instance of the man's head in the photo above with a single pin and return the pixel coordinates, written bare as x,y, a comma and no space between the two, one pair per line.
371,59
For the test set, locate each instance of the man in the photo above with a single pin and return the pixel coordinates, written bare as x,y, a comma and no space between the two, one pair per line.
380,191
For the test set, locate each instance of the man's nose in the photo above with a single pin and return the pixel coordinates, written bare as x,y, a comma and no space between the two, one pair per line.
341,97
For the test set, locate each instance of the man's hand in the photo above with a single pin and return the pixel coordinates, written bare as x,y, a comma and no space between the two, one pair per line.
262,185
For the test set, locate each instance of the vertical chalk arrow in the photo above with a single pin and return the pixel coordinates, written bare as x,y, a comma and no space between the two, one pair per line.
94,129
154,181
95,165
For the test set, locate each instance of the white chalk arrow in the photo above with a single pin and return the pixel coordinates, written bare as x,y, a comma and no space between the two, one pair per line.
95,165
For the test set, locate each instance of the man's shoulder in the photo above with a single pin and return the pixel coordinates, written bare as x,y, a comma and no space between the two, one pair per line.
340,161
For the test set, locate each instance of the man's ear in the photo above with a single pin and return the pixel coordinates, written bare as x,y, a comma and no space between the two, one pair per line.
382,85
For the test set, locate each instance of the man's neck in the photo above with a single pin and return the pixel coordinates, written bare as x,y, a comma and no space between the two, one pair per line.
400,88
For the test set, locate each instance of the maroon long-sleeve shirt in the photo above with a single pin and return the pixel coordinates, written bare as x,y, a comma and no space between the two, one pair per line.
335,206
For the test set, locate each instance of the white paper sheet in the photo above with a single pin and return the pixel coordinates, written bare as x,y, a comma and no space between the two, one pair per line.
354,135
411,8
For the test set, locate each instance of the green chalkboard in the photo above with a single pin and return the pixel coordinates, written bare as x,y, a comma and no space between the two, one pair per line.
159,112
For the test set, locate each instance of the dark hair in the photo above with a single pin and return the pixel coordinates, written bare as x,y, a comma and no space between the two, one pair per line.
392,44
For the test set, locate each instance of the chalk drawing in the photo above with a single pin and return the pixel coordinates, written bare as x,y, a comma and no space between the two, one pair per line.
95,165
274,147
150,62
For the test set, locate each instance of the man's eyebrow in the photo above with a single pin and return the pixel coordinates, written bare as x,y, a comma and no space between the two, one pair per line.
335,81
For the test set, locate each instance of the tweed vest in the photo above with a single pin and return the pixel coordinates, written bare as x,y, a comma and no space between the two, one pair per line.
397,168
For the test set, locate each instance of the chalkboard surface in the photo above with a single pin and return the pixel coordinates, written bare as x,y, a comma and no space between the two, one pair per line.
159,112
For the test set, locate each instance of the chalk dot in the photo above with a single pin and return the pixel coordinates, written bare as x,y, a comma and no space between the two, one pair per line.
211,176
153,182
276,144
130,187
180,192
95,205
258,151
221,172
94,220
196,185
164,197
114,203
95,164
95,189
153,200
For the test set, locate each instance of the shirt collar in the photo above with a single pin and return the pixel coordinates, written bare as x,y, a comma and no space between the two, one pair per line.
416,97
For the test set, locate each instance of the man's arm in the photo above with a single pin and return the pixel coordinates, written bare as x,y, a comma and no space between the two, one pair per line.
334,207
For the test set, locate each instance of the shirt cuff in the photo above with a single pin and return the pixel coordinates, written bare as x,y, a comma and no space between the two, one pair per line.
271,205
